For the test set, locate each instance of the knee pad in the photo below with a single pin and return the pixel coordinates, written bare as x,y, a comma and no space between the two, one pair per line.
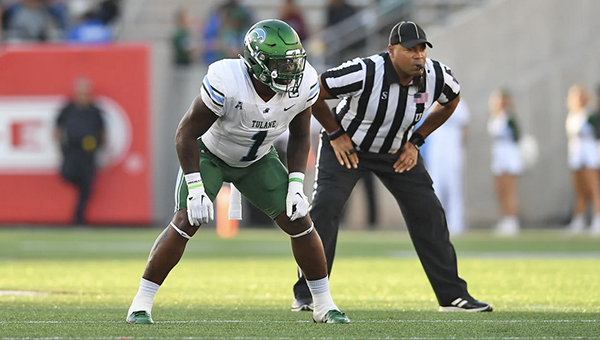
180,232
306,232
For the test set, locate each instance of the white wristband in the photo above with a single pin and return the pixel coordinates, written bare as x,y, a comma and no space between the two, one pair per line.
193,180
296,177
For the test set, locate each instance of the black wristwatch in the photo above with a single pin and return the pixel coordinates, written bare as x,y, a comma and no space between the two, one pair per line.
417,140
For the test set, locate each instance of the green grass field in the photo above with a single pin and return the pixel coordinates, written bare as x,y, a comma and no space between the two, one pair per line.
542,286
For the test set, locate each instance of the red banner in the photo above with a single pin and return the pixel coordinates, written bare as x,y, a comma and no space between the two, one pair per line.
35,81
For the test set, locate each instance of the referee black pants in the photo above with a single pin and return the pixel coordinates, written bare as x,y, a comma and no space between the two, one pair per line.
422,211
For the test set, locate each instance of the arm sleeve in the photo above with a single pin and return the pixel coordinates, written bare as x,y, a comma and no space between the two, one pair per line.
314,87
450,88
213,92
345,80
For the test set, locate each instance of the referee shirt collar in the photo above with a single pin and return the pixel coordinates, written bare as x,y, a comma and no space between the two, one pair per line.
390,73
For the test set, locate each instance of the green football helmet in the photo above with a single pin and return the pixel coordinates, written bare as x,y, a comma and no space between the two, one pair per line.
274,54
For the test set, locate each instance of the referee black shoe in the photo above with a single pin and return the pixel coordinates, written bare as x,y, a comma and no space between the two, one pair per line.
464,305
301,305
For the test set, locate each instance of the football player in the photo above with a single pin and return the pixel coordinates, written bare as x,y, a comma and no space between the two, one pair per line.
227,136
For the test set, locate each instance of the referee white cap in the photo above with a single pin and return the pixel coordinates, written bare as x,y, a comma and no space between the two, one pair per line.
408,34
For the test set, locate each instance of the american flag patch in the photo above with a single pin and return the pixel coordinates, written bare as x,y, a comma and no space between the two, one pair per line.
420,97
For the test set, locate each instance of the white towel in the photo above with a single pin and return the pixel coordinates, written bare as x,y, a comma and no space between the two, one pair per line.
235,203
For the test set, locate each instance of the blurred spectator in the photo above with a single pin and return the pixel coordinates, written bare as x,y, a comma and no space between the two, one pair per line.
80,131
184,50
29,21
292,14
225,30
59,11
444,159
582,128
337,12
507,163
7,8
108,11
89,30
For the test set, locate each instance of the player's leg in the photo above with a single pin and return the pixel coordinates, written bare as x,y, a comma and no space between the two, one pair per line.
593,180
164,255
509,223
333,186
578,222
310,257
502,191
170,244
84,184
265,184
426,223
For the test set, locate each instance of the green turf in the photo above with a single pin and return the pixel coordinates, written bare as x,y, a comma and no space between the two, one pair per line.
542,285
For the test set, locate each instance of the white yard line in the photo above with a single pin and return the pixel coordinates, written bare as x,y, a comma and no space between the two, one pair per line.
299,321
22,292
312,338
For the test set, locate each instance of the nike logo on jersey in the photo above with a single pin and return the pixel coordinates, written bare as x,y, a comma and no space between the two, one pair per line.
257,124
287,108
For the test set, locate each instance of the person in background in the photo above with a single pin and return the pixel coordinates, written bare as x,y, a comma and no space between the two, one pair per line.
89,30
444,160
108,11
507,163
80,130
59,11
184,51
29,21
337,12
292,14
3,16
223,33
582,129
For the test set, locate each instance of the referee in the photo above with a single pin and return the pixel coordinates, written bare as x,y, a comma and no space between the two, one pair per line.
382,98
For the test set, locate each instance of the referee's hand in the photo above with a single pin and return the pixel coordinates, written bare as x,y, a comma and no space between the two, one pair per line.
345,151
408,157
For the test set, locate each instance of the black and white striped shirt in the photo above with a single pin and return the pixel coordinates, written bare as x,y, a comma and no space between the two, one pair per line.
377,112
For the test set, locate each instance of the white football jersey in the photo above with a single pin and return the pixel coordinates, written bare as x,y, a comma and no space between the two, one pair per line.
247,125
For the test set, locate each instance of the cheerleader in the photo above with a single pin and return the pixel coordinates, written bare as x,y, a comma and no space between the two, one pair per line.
507,163
584,160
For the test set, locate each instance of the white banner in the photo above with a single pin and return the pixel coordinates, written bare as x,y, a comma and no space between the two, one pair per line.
27,124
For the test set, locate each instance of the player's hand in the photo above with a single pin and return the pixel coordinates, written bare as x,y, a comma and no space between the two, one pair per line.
408,157
296,202
345,152
199,206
